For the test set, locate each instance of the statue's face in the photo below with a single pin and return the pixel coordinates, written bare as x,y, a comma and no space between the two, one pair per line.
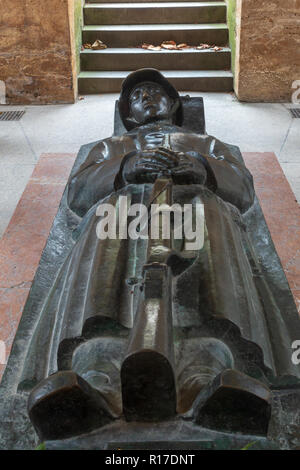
149,101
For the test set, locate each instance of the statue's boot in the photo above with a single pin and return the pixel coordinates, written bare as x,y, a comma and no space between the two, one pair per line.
234,402
65,405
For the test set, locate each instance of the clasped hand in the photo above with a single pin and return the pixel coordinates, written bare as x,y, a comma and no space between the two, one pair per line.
147,165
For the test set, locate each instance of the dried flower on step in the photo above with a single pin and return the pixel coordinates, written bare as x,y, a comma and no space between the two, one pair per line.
203,46
154,48
217,49
145,46
87,46
97,45
183,46
171,45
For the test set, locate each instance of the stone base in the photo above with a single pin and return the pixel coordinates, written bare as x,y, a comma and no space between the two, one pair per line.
21,248
162,436
22,244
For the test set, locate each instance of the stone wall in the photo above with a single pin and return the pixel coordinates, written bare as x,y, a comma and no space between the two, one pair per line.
268,49
37,51
231,21
78,24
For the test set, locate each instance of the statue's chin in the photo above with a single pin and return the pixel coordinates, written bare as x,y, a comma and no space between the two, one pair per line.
152,117
149,117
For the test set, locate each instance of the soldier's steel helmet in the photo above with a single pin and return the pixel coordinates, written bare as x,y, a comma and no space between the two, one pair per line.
146,75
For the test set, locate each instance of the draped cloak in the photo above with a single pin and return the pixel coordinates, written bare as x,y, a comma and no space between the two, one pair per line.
226,284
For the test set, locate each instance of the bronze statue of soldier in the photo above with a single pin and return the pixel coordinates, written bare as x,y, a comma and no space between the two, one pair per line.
145,330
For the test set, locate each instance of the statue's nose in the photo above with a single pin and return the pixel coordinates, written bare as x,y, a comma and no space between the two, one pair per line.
146,94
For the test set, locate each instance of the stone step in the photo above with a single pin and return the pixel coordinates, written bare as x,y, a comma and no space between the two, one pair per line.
150,13
191,80
134,35
132,59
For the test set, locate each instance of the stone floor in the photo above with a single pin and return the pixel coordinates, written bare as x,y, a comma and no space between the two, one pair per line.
259,127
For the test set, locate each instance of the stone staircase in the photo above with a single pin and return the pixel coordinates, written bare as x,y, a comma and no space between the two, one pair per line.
124,26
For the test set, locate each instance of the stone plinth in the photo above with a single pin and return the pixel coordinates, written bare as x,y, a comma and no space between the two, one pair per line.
22,244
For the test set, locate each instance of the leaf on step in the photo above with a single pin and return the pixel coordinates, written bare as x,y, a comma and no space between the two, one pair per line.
97,45
171,43
154,48
183,46
203,46
207,46
170,47
145,46
87,46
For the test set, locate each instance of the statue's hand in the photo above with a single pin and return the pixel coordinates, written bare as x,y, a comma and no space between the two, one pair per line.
147,165
189,170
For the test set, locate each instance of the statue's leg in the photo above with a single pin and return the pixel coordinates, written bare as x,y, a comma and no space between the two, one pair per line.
198,362
234,402
87,397
217,395
98,361
64,405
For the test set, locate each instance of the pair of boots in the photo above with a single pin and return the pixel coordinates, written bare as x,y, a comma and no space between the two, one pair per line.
65,405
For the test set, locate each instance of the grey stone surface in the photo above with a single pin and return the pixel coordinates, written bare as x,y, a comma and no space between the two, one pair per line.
133,35
205,80
155,13
133,58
